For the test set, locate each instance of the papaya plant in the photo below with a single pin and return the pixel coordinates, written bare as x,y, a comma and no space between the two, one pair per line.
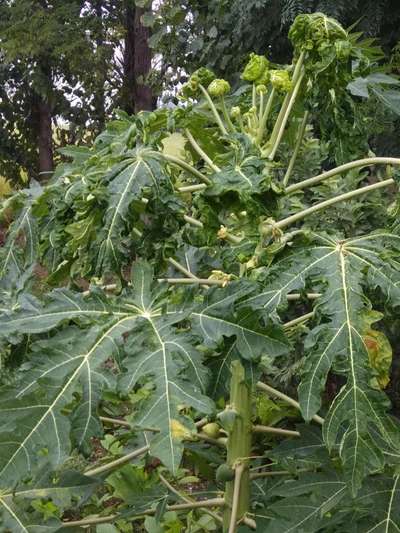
198,313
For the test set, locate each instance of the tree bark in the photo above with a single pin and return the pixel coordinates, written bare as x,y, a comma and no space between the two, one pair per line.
45,138
136,95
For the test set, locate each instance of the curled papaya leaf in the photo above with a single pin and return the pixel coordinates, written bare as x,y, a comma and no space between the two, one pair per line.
256,67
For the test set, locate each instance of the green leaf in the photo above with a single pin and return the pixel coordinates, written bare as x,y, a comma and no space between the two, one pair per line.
379,502
21,248
35,316
338,339
136,487
156,351
218,318
390,98
127,184
16,504
34,427
306,503
243,173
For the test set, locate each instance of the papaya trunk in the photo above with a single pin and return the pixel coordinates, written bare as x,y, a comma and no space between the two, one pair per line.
239,444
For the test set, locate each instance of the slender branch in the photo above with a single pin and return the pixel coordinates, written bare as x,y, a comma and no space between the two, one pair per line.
201,152
202,422
341,198
214,502
192,188
191,281
111,287
290,297
261,108
185,166
285,104
227,118
278,121
298,320
299,140
187,273
285,118
173,489
213,109
249,522
92,521
223,283
310,296
199,424
367,162
115,421
267,110
277,473
273,392
261,467
276,431
137,232
231,238
193,221
124,423
254,96
181,268
210,440
186,498
239,469
113,464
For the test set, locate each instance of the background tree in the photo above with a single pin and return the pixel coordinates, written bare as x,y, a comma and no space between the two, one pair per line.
136,94
62,74
48,43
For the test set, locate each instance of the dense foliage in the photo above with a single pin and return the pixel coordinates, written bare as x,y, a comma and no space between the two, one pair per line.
170,280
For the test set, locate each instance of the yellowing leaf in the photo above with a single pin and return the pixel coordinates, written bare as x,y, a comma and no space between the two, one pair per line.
179,431
379,350
5,187
174,145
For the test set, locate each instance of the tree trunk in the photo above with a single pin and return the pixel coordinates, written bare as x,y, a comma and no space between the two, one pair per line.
101,69
143,97
136,95
45,138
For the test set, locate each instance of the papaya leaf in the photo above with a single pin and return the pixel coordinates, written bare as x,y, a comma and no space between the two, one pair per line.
157,352
225,314
138,171
21,247
306,504
339,339
16,508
